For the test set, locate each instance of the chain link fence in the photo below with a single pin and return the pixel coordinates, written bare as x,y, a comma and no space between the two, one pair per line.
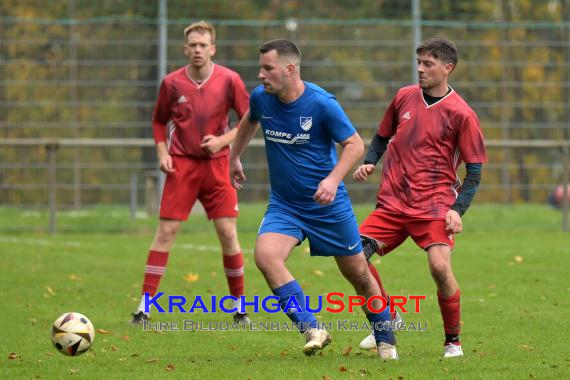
98,78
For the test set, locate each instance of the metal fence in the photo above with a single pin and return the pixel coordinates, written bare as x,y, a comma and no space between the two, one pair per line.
98,78
139,185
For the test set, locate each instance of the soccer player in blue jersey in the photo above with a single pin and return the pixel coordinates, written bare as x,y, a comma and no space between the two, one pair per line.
301,124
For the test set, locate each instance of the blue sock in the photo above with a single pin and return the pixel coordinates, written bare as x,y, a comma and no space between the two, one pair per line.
303,318
383,327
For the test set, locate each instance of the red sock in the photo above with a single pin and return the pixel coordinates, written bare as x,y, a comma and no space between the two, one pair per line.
233,266
155,267
450,313
376,276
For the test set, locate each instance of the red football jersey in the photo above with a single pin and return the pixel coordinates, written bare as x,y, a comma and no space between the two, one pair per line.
188,111
428,143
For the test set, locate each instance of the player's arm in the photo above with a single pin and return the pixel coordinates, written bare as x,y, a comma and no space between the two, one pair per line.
160,117
376,150
213,144
470,185
353,149
245,132
379,143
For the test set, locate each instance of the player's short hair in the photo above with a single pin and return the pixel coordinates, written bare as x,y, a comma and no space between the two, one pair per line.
201,27
440,48
284,48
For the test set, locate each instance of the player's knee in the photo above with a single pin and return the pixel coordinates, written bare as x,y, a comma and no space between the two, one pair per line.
263,262
228,236
166,234
440,271
357,276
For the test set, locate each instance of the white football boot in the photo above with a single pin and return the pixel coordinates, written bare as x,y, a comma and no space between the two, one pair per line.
387,351
452,351
317,339
369,342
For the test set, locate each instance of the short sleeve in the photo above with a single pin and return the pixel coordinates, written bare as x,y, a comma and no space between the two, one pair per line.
240,96
389,123
471,141
336,121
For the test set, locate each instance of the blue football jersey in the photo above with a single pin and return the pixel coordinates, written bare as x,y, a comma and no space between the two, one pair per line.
300,139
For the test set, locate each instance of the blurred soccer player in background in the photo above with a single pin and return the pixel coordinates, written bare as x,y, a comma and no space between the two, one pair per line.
427,131
301,124
192,133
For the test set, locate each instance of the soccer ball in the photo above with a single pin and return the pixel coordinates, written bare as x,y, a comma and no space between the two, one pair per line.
72,334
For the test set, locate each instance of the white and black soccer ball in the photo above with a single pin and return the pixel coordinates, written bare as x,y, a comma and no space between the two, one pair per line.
72,334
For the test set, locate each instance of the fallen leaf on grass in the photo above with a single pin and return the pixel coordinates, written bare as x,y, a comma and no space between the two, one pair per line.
343,369
191,277
12,356
170,367
50,290
103,331
519,259
74,277
325,377
364,372
125,338
347,351
114,348
318,272
283,354
151,360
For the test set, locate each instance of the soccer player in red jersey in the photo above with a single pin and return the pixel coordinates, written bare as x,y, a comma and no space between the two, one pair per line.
192,133
427,131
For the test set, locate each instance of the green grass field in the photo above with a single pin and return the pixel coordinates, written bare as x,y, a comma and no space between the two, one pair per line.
510,263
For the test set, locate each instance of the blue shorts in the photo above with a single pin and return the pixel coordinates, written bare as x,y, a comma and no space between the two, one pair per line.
337,236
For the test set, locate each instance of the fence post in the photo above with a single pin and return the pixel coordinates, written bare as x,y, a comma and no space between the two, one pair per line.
51,148
134,195
565,184
151,190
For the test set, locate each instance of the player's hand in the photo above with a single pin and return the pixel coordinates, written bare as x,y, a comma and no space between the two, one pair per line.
453,222
326,192
166,165
363,171
237,176
211,144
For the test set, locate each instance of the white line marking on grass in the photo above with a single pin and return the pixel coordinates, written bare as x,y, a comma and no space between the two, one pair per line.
32,241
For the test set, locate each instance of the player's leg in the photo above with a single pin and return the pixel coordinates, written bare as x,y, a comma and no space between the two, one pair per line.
156,262
355,270
271,253
438,243
220,201
339,237
380,233
178,196
232,255
448,295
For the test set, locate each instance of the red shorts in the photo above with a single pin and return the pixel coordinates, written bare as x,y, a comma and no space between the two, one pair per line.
205,180
390,230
